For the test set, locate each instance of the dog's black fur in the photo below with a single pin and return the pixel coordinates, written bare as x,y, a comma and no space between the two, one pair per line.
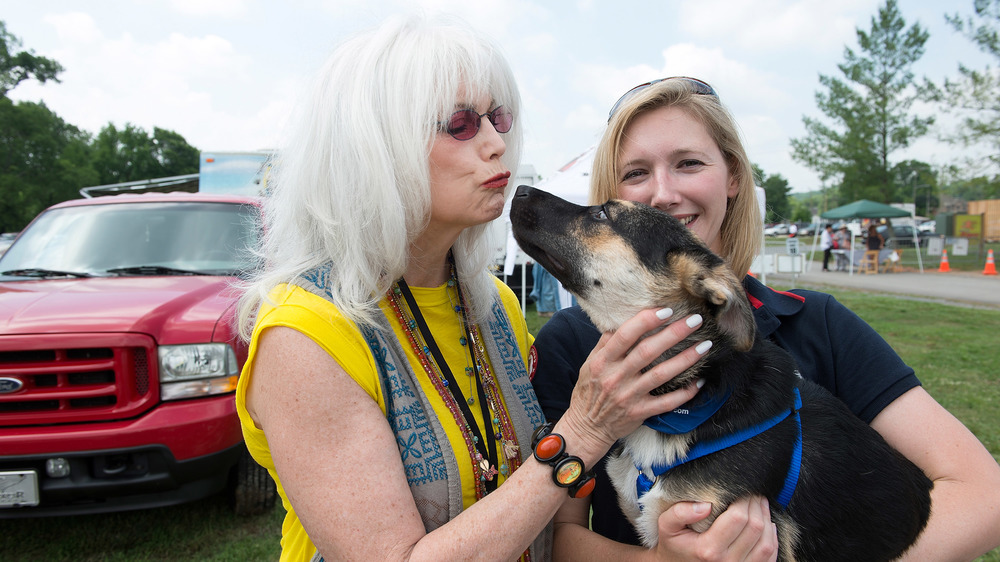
856,497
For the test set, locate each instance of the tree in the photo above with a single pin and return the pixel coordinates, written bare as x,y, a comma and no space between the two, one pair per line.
976,93
970,188
918,183
131,154
776,191
43,161
870,110
175,155
18,67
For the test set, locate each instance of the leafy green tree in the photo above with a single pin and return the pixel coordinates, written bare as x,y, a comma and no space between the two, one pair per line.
776,191
973,189
43,161
804,208
131,154
124,155
175,155
975,94
918,184
20,66
870,110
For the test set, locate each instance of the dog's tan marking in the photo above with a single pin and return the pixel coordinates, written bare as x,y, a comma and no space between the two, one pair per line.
619,285
718,286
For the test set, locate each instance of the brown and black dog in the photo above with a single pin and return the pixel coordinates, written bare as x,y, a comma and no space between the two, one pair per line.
837,490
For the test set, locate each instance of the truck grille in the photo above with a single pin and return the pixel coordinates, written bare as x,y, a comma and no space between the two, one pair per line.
74,378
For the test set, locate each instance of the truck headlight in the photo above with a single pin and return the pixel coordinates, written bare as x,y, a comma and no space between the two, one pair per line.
203,369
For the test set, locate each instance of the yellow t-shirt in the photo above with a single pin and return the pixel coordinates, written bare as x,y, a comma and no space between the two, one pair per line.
318,318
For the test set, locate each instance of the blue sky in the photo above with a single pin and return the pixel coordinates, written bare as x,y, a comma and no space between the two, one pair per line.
225,73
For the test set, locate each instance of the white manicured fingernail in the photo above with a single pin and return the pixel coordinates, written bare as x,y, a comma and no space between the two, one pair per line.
664,313
703,347
694,321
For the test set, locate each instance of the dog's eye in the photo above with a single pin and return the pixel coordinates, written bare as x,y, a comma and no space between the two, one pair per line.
600,214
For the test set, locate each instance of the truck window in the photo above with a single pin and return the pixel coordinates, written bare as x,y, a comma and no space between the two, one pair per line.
208,238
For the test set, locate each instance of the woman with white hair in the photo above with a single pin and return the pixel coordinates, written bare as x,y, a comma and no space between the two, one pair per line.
387,386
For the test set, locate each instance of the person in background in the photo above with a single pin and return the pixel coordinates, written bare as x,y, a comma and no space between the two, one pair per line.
671,144
874,240
842,238
386,387
544,291
793,229
826,244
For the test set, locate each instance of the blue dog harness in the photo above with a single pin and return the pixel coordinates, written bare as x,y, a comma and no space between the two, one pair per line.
703,448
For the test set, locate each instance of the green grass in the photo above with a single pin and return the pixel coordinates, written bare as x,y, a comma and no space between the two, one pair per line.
951,348
203,530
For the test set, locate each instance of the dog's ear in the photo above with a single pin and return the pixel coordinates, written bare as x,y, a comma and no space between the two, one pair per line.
726,300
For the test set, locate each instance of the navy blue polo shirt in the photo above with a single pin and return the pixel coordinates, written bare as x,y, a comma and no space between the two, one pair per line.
832,346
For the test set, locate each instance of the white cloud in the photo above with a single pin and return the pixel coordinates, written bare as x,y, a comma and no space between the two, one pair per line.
810,25
74,27
210,8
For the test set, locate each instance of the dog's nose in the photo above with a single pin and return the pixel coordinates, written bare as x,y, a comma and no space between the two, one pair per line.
523,191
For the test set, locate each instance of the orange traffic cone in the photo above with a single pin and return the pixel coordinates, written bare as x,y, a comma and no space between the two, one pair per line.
991,266
944,263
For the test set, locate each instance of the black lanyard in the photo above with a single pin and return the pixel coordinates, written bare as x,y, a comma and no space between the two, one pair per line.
491,451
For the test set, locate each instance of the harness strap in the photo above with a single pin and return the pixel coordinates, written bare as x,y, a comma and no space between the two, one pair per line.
703,448
792,478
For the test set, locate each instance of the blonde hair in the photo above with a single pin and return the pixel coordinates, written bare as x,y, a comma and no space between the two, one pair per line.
740,233
351,190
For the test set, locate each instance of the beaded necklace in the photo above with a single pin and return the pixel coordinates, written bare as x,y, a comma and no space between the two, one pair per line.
500,428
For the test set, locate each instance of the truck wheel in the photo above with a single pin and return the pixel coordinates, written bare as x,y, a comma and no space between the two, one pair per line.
253,491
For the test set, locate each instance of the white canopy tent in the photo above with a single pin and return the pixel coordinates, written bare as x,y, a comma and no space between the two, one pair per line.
572,183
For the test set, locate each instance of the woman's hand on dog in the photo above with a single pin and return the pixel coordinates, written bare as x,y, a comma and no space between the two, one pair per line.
612,396
743,532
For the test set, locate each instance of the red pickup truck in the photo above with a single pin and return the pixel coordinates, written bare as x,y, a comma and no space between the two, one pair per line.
119,359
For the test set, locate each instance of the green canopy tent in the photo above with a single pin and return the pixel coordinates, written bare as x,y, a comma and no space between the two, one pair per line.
865,209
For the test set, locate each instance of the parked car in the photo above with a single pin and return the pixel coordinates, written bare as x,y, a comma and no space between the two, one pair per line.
776,230
806,229
901,236
119,358
928,227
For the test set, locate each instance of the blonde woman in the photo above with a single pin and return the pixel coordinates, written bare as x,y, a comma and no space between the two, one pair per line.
672,144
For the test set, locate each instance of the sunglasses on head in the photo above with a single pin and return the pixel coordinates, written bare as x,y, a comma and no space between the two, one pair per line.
697,86
465,123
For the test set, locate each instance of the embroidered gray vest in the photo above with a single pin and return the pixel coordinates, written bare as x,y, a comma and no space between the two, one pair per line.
430,463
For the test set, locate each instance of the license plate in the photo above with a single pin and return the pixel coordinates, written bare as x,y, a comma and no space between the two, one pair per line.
18,489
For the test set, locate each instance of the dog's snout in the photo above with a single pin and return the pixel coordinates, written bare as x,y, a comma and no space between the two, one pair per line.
523,191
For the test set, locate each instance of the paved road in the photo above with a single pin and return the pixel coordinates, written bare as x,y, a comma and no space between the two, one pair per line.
959,288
